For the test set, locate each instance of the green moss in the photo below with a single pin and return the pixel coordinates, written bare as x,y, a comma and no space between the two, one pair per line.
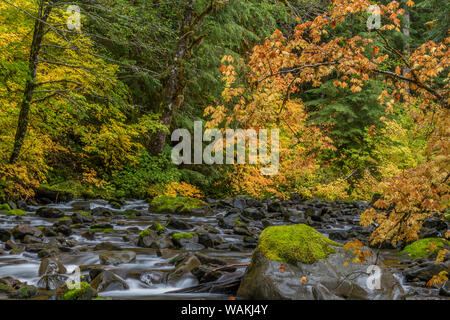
5,288
85,214
144,233
65,218
115,204
101,230
295,243
420,248
175,204
158,227
16,212
178,236
5,207
78,294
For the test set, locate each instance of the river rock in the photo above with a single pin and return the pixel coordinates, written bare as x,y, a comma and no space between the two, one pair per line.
51,281
175,223
20,231
51,266
209,240
304,265
183,268
108,281
5,235
426,270
107,246
117,257
46,212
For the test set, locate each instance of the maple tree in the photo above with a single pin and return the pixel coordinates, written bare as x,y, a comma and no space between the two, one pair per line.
283,66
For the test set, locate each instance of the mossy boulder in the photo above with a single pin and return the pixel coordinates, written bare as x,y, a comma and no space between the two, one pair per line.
295,243
5,207
179,205
16,212
84,292
298,263
421,248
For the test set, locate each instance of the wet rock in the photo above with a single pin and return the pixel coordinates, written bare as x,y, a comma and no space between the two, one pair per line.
191,246
83,291
46,212
240,202
146,238
209,240
36,247
46,253
206,275
287,254
183,268
95,271
51,266
20,231
227,284
253,214
78,217
49,232
445,289
25,292
433,228
108,281
89,234
152,278
117,257
225,203
231,220
102,211
52,281
63,229
107,246
167,253
243,231
31,239
425,271
179,205
325,279
10,245
102,226
5,235
81,205
254,203
116,204
207,260
175,223
338,235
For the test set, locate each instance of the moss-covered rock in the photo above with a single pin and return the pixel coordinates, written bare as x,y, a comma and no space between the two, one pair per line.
16,212
421,248
295,243
5,207
180,205
179,236
85,292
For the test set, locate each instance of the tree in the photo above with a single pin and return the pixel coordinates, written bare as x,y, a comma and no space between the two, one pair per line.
315,53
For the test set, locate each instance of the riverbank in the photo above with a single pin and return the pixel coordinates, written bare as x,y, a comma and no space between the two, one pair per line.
125,250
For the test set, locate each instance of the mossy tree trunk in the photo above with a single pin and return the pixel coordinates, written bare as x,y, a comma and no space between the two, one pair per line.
38,34
177,78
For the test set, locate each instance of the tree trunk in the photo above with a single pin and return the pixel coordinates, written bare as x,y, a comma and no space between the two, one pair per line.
22,125
174,92
406,33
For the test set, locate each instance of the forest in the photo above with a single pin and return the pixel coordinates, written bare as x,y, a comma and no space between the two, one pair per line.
97,96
